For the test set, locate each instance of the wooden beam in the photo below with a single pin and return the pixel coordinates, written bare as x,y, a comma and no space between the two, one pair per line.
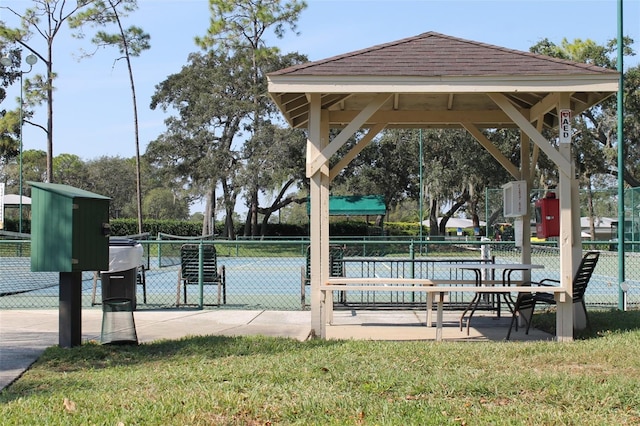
563,164
536,150
314,145
356,124
349,156
568,241
547,104
422,117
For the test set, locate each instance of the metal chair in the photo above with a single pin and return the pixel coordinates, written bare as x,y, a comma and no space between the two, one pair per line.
189,271
141,279
527,301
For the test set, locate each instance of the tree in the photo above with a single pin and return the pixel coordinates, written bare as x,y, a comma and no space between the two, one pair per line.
9,120
113,177
69,169
457,170
161,203
594,139
34,167
277,161
45,19
130,42
211,97
241,26
9,136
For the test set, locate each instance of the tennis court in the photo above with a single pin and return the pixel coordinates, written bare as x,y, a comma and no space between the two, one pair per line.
269,275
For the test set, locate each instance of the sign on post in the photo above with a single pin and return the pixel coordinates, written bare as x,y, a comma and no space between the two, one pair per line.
565,126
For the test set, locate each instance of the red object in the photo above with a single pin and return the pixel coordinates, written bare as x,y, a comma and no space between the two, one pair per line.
547,211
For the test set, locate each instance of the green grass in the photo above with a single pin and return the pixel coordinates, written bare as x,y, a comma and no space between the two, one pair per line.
259,381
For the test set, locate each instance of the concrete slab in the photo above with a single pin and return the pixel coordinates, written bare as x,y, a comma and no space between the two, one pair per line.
411,325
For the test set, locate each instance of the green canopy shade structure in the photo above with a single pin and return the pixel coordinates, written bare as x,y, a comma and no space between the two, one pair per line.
355,205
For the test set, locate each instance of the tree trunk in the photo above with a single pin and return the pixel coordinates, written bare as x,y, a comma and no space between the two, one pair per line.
265,223
433,218
251,224
49,115
254,214
592,227
461,201
205,219
229,207
208,222
135,116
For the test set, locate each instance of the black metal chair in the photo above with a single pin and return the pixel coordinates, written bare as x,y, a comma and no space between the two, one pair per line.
141,279
190,270
527,301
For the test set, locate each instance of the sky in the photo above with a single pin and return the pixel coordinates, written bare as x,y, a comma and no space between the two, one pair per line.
92,103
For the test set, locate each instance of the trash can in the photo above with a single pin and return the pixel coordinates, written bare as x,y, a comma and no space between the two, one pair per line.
119,282
118,325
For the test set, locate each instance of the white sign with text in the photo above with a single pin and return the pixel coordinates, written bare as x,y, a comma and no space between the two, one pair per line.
565,126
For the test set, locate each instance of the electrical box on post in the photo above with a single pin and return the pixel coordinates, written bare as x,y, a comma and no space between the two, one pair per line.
516,198
69,229
547,212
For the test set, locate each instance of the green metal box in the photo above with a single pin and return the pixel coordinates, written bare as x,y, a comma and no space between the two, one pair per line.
69,229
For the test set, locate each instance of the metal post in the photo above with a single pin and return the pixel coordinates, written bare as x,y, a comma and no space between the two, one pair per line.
421,192
201,274
70,310
6,61
20,160
621,225
412,256
486,212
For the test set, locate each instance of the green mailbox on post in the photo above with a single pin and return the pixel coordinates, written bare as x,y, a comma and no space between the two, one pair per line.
69,234
69,229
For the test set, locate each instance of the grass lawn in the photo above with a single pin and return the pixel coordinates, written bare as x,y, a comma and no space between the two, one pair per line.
263,381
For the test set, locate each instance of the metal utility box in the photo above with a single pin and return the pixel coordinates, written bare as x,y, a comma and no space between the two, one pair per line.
515,198
69,229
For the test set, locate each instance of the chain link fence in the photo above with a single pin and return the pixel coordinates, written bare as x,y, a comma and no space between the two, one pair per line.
273,274
604,204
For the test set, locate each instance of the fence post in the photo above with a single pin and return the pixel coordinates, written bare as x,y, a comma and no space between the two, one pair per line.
158,238
412,256
485,254
201,273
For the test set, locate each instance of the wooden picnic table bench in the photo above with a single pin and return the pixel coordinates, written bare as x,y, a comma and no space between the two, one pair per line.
431,287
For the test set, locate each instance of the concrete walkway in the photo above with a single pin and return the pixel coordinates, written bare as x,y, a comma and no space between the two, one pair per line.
25,334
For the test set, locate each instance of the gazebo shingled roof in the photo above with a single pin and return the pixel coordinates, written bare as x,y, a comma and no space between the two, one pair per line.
433,54
457,74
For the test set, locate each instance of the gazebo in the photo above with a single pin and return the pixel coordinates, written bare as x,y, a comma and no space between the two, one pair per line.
438,81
